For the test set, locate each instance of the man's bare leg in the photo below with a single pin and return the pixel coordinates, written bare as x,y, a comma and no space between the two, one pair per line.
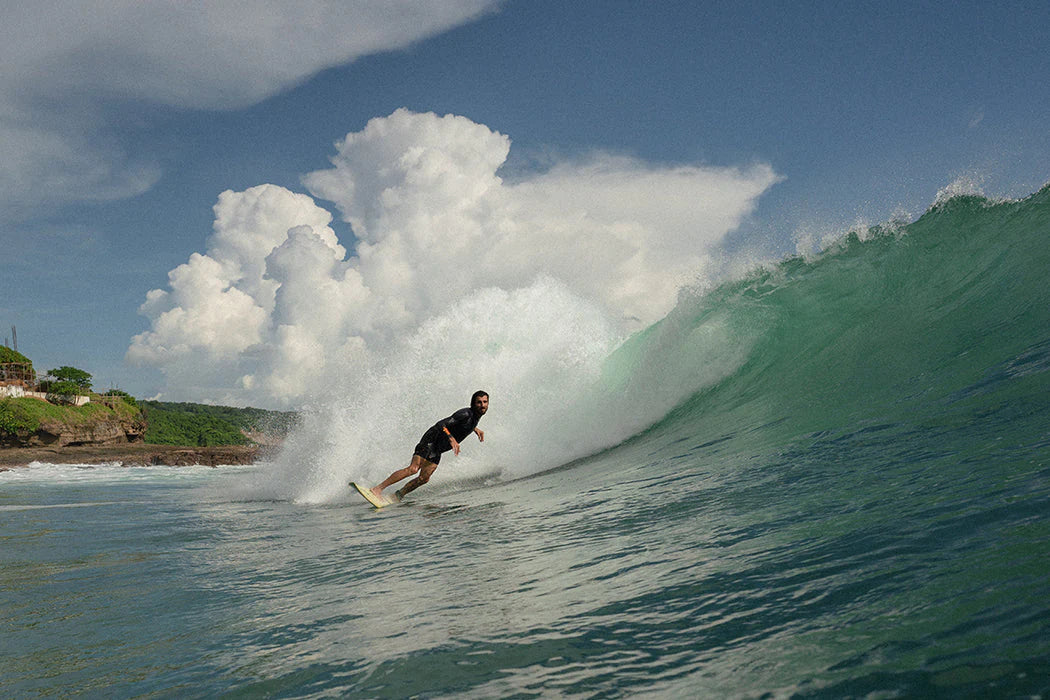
424,476
414,466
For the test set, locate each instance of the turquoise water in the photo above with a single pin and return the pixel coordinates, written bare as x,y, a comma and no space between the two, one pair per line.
860,507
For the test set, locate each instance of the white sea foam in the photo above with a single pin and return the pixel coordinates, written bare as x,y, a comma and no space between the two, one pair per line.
961,186
556,394
47,472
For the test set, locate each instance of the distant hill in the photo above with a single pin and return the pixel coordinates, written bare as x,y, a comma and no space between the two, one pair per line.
204,425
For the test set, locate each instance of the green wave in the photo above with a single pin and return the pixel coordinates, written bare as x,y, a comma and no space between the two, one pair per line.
945,316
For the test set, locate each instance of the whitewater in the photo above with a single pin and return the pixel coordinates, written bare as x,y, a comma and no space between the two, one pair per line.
827,477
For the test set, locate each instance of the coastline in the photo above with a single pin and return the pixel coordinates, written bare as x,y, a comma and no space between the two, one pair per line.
134,455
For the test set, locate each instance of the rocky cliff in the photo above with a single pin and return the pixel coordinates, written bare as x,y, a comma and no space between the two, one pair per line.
99,433
130,455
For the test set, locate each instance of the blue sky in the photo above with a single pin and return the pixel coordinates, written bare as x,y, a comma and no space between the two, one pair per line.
116,151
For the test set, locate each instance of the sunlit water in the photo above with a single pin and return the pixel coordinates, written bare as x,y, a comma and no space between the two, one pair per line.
685,570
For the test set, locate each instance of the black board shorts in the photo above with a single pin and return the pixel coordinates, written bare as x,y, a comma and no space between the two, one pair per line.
430,446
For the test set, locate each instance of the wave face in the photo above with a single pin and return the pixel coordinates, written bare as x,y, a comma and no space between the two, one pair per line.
945,321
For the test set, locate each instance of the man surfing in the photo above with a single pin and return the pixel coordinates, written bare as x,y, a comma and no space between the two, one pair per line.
443,436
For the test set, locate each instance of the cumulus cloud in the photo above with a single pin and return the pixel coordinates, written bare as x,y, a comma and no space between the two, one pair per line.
441,221
278,312
63,59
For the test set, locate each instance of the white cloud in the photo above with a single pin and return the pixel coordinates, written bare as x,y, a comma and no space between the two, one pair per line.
278,304
221,303
214,54
62,58
644,231
56,163
435,219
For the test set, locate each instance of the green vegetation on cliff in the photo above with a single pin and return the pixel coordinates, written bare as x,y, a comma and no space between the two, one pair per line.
16,416
9,355
27,415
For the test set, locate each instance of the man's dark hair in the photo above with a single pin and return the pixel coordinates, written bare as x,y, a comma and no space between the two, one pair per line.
476,395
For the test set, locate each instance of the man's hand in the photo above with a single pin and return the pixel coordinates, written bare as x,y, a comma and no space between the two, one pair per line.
481,434
455,445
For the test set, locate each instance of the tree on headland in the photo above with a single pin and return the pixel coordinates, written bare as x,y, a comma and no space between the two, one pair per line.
78,377
62,385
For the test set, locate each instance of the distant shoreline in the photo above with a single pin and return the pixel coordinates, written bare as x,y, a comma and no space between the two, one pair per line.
134,455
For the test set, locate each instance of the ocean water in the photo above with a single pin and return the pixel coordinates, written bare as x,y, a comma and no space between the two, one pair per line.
854,503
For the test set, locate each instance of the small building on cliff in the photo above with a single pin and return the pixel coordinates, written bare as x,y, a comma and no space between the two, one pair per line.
18,379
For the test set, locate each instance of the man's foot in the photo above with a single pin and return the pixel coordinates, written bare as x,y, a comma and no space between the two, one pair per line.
397,496
377,492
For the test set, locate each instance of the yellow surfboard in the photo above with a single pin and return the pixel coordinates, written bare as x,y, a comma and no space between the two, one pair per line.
367,494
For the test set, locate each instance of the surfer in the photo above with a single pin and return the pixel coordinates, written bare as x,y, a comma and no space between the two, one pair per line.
443,436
